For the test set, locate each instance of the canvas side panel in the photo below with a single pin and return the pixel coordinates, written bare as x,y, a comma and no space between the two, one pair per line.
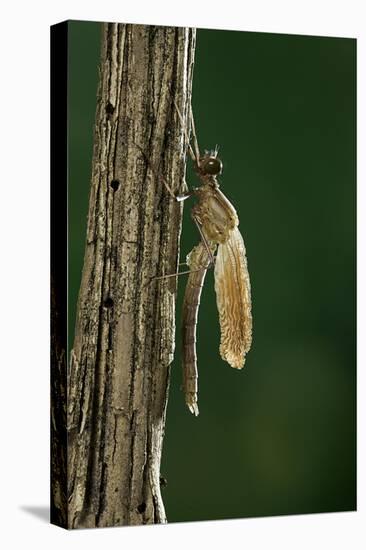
59,72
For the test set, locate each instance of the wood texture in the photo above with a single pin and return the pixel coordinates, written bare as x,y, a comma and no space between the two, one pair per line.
124,335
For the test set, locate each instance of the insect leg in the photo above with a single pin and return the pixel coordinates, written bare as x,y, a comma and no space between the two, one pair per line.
195,140
178,274
193,156
188,271
180,197
204,240
183,196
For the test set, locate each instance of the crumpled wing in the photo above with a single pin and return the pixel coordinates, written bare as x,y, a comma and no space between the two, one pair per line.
232,285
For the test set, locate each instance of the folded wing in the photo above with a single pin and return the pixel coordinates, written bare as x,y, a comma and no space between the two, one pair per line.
233,298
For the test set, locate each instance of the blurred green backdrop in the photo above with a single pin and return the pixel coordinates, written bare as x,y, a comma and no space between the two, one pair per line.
280,436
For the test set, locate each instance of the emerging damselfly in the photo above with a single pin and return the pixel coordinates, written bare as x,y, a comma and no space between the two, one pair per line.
217,222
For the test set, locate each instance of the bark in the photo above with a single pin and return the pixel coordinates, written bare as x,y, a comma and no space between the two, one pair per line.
124,334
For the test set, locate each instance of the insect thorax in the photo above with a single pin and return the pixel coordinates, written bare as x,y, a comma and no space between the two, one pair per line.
215,213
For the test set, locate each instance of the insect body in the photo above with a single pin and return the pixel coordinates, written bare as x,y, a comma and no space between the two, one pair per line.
217,222
199,261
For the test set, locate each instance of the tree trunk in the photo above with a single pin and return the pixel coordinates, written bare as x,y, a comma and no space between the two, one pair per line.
124,334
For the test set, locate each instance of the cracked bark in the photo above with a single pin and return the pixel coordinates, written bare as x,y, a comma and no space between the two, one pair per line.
124,336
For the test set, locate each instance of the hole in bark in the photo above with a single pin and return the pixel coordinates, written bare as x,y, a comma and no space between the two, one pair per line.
108,302
114,185
109,109
141,508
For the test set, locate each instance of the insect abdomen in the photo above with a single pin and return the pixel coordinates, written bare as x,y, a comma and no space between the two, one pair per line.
198,262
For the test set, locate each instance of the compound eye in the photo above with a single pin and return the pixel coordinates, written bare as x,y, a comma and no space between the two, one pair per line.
212,166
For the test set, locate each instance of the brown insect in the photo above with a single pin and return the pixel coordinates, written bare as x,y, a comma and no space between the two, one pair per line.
217,221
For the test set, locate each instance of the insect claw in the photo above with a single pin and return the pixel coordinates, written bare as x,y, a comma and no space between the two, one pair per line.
194,409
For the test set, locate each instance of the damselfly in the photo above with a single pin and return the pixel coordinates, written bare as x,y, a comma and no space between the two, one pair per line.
217,222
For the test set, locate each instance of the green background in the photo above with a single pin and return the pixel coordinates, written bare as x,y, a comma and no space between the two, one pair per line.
280,436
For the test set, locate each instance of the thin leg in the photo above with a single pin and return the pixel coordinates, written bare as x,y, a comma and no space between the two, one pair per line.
193,156
184,272
181,273
183,196
211,264
204,240
175,275
178,198
195,140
